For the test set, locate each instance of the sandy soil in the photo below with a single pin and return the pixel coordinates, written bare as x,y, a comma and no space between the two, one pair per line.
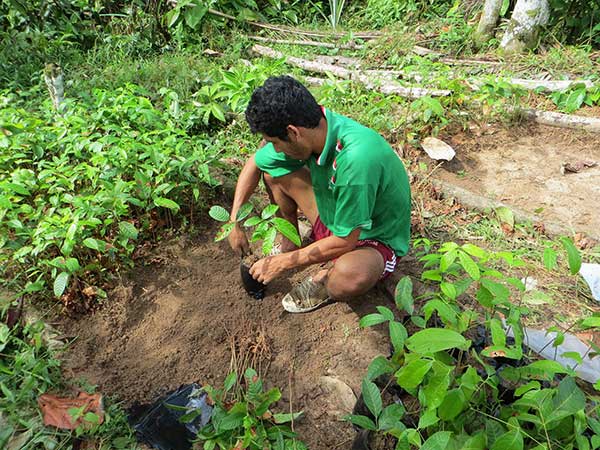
521,166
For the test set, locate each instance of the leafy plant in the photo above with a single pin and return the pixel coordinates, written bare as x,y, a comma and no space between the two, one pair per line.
27,370
243,418
77,191
336,7
465,372
574,98
266,225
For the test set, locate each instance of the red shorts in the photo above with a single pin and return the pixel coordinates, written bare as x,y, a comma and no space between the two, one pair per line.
320,231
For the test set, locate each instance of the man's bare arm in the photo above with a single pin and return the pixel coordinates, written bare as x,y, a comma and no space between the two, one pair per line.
245,187
267,269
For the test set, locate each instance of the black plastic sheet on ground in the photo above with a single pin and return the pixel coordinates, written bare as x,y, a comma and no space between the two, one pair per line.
160,426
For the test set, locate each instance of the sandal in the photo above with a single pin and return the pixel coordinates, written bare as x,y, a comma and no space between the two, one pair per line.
305,297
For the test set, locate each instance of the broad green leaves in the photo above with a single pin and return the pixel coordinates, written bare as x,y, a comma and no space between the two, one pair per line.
60,283
574,258
433,340
166,203
219,213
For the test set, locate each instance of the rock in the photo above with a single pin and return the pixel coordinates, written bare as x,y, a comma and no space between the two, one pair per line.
339,395
437,149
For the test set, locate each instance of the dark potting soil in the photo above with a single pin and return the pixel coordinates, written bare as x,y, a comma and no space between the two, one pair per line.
186,318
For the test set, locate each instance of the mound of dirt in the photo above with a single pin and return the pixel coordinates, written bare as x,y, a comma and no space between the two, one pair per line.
188,319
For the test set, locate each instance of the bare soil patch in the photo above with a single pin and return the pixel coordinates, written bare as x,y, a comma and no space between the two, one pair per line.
182,320
521,166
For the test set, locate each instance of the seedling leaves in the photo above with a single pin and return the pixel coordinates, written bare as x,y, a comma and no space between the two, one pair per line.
219,213
432,340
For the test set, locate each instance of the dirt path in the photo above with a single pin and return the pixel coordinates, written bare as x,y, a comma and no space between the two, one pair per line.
520,166
174,323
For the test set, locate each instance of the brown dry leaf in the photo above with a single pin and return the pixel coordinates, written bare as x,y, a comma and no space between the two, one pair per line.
582,241
89,291
55,410
576,167
506,228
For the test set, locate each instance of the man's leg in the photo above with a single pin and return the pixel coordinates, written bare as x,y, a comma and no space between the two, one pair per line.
354,273
291,192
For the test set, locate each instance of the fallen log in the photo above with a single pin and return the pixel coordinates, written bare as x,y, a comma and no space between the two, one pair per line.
368,80
306,43
555,119
545,85
549,85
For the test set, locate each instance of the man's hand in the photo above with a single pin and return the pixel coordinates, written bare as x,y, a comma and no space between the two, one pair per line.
238,241
267,269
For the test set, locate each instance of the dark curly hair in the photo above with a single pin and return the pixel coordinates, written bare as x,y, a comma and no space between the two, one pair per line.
279,102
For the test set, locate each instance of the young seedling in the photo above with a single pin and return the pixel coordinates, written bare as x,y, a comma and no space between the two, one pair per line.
265,226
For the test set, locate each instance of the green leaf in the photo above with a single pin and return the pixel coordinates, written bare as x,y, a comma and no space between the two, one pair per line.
72,265
269,241
511,440
398,335
498,290
232,421
379,366
217,112
372,397
447,260
498,334
403,295
436,388
371,319
190,416
438,441
269,211
505,215
412,374
385,312
194,15
536,298
252,221
361,421
230,381
432,340
569,398
224,231
469,265
550,258
128,230
60,283
475,442
448,289
219,213
92,418
286,417
242,213
288,230
527,387
574,257
94,244
390,416
428,419
453,404
475,251
591,322
166,203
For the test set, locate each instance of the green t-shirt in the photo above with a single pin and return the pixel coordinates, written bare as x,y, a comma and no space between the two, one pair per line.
358,180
